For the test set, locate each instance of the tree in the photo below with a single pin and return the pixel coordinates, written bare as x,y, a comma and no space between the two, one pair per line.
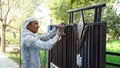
23,9
59,8
4,18
113,20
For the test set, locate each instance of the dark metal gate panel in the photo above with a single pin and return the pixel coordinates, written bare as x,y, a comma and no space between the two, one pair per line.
70,47
92,48
64,51
91,45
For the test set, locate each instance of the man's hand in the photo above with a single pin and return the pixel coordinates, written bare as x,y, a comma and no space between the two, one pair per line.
59,25
61,29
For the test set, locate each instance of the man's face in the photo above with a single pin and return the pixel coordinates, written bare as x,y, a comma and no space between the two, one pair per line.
33,26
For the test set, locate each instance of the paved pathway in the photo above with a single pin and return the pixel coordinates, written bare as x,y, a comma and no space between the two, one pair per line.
5,62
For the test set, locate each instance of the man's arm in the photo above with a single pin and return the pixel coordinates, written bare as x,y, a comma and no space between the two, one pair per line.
31,41
49,35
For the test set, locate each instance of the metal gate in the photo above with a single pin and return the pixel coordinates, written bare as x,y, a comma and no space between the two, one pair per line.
91,45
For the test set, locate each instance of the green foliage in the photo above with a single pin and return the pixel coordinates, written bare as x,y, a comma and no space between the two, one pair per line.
43,55
22,9
11,39
59,10
113,22
25,8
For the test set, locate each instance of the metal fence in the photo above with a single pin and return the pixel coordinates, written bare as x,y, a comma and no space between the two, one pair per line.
91,45
92,48
113,63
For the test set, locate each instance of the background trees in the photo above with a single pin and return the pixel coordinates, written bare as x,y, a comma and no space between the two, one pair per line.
12,13
5,19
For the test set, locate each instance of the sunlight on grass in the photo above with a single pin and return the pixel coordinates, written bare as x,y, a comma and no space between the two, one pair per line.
14,56
113,46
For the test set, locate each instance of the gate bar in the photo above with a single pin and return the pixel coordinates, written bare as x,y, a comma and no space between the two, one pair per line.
86,8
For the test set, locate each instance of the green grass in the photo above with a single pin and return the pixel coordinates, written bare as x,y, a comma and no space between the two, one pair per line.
43,58
16,57
113,46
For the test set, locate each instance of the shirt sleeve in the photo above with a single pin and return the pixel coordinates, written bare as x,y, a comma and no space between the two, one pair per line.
43,45
49,35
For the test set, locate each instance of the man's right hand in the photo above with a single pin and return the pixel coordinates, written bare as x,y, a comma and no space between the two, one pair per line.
61,29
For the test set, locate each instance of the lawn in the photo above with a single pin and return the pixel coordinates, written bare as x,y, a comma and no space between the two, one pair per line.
113,46
16,57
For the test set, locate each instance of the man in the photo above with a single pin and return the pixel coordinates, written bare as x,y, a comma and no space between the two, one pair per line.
32,43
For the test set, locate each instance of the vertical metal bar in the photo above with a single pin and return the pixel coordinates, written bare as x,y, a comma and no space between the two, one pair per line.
64,49
89,47
62,52
85,63
70,17
69,14
103,45
92,48
72,48
86,50
67,46
99,11
95,15
96,44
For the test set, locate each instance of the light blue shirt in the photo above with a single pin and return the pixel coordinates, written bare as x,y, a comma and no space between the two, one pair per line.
31,44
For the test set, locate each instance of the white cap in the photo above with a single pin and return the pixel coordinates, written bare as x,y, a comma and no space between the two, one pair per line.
27,21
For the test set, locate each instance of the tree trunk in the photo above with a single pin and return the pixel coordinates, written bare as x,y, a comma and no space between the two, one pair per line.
3,38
